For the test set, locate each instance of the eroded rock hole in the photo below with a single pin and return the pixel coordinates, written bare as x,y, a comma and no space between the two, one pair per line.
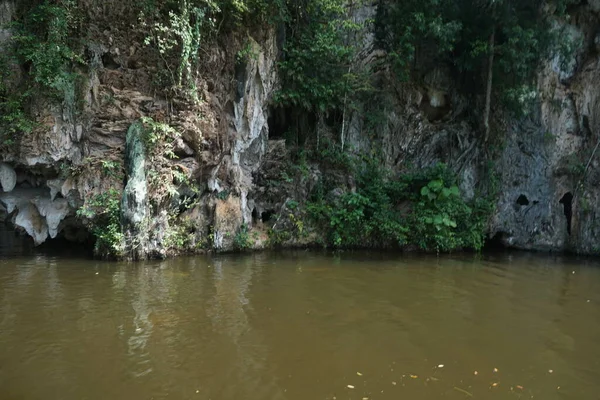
266,216
291,124
109,62
255,215
279,123
567,202
498,242
523,200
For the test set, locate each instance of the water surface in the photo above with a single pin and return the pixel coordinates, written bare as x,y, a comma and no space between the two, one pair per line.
301,326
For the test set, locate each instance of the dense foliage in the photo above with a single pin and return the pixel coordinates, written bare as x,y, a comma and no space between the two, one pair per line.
507,36
42,44
423,209
489,46
103,212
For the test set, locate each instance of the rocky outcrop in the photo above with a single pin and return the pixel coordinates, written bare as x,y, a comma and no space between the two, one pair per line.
223,171
548,167
8,177
35,212
135,194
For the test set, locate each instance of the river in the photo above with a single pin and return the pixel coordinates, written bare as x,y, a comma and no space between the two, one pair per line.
300,325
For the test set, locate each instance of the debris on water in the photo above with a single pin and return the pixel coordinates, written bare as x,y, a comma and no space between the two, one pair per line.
359,374
463,391
475,373
494,384
441,366
434,379
197,391
365,398
350,387
414,376
550,370
97,273
394,383
520,387
495,369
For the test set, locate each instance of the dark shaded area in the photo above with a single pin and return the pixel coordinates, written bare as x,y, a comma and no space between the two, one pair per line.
496,243
279,122
17,244
109,62
266,216
567,202
523,200
291,124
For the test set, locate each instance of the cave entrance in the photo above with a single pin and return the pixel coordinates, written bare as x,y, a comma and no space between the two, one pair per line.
496,242
567,202
266,216
523,200
291,124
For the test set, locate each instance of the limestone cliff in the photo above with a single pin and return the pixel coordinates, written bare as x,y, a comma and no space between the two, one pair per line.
213,181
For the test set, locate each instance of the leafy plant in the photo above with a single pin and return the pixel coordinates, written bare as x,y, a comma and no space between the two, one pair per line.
424,209
43,43
242,240
103,214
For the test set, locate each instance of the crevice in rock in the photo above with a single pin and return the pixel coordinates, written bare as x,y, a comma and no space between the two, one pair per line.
279,123
291,124
109,62
255,216
522,200
265,216
567,202
496,242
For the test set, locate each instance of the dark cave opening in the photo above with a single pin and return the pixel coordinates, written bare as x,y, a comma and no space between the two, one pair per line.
567,202
291,124
266,216
109,62
279,122
523,200
15,243
496,242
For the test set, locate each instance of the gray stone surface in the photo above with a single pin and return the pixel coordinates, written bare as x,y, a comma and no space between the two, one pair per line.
8,177
135,195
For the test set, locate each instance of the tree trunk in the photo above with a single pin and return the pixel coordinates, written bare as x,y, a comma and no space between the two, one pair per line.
488,91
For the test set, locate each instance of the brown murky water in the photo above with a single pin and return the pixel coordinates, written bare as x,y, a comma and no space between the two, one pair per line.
301,326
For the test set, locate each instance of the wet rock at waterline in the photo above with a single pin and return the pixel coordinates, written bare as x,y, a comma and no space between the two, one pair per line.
134,201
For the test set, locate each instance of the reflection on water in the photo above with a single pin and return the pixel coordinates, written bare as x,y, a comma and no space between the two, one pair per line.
300,326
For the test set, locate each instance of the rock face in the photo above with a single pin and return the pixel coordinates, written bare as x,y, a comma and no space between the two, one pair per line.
222,171
8,177
35,212
135,195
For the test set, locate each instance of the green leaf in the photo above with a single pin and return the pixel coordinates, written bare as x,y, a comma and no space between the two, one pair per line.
436,185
